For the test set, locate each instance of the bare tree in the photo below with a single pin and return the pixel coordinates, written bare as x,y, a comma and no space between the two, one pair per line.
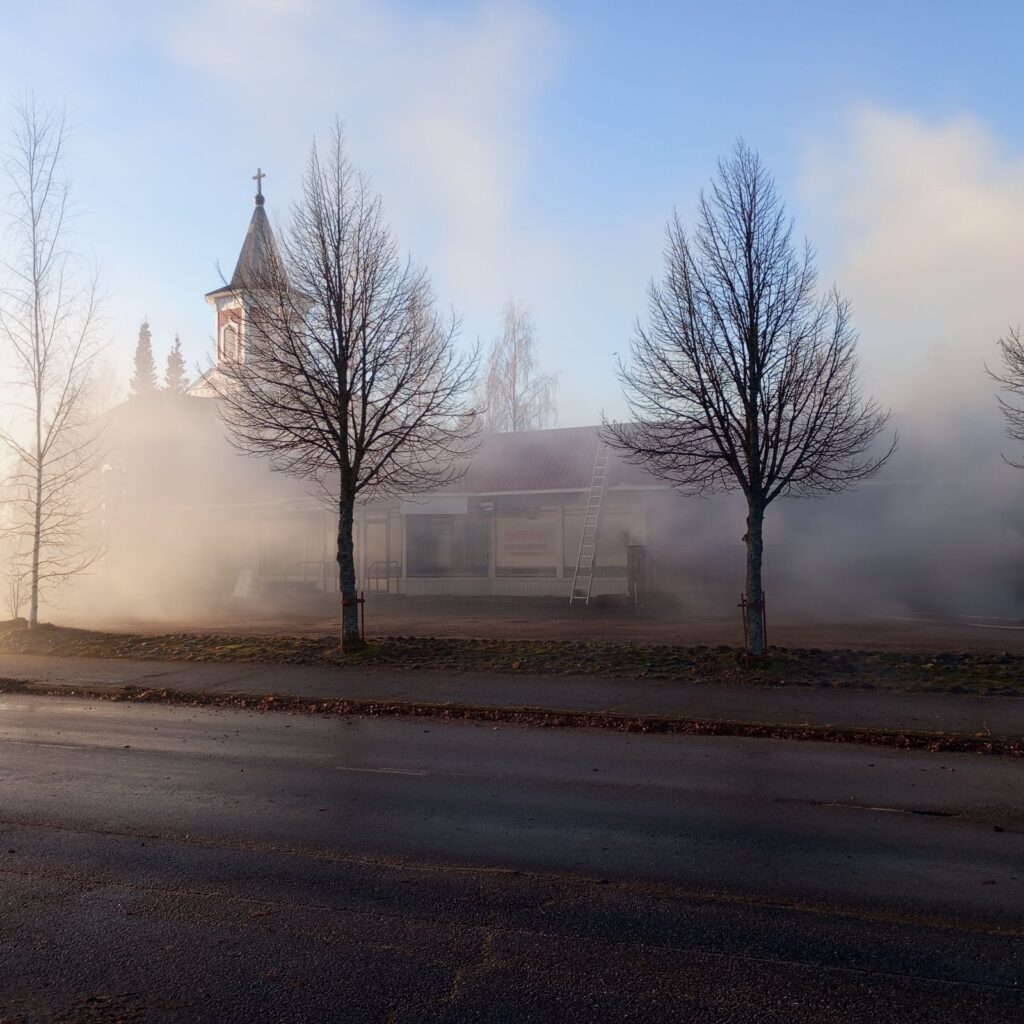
514,396
347,373
14,594
48,322
742,377
1011,381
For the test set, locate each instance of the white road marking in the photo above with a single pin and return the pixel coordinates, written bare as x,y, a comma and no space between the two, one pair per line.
42,743
378,771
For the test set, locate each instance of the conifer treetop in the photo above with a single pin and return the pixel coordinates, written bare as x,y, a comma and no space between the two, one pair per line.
144,381
175,378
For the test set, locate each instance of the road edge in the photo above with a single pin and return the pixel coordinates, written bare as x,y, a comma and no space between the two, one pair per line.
899,739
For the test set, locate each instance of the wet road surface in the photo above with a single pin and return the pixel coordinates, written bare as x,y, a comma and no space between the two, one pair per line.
168,863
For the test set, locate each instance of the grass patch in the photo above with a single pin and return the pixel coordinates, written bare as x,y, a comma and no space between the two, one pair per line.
950,672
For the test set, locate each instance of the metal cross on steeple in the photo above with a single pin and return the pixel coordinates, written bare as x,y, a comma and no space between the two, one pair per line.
258,178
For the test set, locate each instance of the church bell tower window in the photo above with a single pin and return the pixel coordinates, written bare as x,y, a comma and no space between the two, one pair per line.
229,343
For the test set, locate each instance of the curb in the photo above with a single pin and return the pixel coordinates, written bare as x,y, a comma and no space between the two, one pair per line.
900,739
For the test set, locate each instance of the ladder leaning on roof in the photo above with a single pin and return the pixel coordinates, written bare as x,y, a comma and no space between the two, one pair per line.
586,560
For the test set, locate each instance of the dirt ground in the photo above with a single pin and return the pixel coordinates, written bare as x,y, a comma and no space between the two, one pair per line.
538,619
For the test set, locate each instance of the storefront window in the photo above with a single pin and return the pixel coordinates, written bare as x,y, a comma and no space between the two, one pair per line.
447,545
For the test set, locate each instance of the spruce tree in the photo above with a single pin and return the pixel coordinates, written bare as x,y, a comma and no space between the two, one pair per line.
174,377
143,381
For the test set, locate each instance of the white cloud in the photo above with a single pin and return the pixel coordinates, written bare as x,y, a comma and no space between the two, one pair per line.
926,223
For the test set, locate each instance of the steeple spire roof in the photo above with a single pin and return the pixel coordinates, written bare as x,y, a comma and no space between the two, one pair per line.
259,250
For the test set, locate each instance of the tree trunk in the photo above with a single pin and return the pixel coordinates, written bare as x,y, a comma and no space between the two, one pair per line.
755,555
33,605
37,525
350,638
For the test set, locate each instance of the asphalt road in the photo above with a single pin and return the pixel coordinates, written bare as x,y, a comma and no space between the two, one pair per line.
175,864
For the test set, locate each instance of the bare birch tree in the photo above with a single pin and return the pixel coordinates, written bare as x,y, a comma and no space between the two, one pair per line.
742,377
514,395
348,374
48,334
1011,383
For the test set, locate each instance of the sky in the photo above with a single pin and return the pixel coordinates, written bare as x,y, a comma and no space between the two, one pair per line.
536,150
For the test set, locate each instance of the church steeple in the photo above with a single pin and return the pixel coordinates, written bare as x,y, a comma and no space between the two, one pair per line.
257,258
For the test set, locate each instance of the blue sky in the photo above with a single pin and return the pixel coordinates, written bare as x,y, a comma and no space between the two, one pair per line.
537,149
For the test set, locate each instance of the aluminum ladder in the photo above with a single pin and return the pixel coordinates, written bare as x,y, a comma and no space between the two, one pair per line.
583,577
